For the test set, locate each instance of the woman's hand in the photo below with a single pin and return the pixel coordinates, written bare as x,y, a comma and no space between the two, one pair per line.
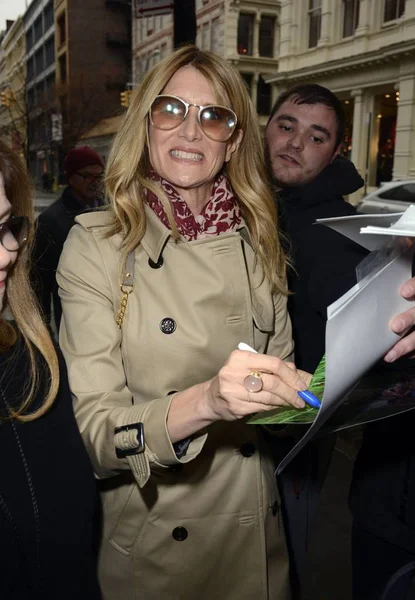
228,399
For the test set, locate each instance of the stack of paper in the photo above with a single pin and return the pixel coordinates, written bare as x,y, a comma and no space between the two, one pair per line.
404,226
357,331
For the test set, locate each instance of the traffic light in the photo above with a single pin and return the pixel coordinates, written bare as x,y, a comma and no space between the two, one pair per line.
4,98
125,98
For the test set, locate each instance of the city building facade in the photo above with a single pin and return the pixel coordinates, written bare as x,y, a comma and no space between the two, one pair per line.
14,49
245,32
363,50
41,105
93,64
4,109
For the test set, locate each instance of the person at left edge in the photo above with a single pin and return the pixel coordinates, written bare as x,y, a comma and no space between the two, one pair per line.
192,510
84,169
47,488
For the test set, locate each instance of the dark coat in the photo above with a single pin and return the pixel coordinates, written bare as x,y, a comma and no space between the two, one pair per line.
382,496
53,226
47,495
324,260
324,263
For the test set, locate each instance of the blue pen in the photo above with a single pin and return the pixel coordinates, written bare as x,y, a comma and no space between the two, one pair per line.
310,398
307,396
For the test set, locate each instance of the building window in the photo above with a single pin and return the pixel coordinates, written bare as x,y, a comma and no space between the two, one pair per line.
30,68
245,34
266,36
40,93
31,99
50,88
62,68
350,17
248,77
215,36
263,103
314,22
38,29
205,36
393,10
39,62
29,39
48,15
50,51
62,29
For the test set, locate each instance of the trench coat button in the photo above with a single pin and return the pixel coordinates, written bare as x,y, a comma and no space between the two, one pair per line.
247,450
156,265
168,325
180,534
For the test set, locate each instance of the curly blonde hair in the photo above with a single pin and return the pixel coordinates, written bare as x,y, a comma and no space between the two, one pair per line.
128,167
20,299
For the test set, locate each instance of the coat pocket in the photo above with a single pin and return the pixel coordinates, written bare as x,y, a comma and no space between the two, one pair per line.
128,511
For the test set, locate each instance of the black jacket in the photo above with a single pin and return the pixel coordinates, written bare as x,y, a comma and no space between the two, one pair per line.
382,495
53,226
324,260
47,495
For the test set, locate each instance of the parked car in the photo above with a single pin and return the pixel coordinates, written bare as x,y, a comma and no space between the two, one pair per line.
391,197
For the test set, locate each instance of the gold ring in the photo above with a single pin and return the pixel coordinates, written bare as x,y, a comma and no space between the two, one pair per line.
253,382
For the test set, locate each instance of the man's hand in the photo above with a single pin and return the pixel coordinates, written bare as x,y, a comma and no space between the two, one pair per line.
403,323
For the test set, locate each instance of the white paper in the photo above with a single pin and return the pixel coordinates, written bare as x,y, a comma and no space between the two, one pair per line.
405,226
351,227
357,336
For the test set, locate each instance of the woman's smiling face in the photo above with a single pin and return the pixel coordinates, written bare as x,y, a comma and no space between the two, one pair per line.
185,156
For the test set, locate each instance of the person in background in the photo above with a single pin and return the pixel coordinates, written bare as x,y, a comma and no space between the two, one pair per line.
303,138
84,169
47,488
161,392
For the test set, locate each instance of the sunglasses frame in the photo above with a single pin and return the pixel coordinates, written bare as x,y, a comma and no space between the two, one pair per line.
201,109
24,224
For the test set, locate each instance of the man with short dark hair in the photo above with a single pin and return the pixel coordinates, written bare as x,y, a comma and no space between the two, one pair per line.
84,169
303,140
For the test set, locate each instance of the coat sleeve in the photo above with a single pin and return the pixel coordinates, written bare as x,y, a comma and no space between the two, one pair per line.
91,343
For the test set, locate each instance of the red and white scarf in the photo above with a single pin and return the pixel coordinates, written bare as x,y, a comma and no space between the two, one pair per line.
221,214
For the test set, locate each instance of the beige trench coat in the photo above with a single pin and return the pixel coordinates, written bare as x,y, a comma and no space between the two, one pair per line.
200,527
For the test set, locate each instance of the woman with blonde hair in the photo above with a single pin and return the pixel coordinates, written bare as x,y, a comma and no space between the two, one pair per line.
47,495
157,292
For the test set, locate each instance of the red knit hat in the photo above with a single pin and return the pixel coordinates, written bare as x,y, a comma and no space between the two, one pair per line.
80,157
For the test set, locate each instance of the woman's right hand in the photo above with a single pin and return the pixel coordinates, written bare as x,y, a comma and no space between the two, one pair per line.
228,399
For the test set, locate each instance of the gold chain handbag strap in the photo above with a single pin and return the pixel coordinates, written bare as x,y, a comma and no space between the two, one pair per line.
126,286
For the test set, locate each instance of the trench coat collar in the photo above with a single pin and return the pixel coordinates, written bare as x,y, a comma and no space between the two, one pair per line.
157,235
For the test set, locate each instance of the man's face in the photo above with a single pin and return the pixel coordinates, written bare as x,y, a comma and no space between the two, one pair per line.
85,183
301,141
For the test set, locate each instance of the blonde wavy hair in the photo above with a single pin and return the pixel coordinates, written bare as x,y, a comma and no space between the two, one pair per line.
20,299
128,165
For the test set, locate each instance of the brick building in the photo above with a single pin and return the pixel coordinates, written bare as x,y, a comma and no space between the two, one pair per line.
93,60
